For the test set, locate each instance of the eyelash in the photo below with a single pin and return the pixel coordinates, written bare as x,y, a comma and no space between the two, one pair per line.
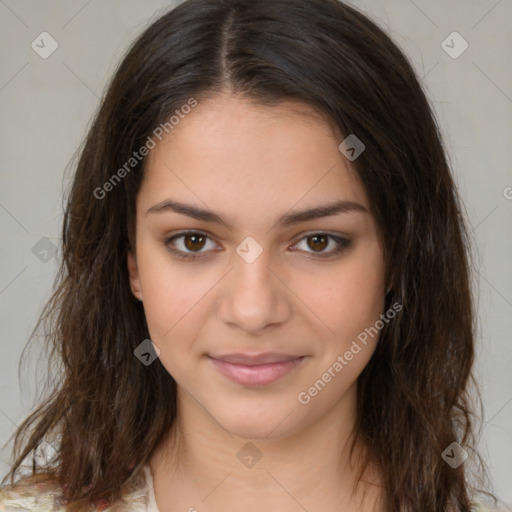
343,243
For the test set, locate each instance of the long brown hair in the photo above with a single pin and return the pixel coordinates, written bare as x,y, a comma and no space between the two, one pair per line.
107,412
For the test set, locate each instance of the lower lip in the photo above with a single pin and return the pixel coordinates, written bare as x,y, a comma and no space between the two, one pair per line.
256,375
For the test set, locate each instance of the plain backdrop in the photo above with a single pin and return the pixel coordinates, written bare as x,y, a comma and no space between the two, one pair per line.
47,103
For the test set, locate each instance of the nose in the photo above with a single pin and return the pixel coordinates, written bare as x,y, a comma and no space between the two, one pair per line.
255,297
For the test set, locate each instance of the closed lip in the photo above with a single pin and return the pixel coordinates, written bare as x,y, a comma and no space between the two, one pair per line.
255,359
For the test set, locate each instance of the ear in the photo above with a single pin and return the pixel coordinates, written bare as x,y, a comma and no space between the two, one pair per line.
134,276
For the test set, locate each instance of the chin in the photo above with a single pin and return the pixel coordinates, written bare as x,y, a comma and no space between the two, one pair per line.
273,424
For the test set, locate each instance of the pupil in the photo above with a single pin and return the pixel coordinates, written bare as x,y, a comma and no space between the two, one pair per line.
316,245
191,246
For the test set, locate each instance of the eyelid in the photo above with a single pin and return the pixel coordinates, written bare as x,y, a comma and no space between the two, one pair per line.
311,232
343,242
184,254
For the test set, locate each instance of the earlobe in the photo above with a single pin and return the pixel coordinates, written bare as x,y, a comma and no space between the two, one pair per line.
134,276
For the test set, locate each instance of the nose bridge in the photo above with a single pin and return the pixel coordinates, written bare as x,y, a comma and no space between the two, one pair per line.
254,297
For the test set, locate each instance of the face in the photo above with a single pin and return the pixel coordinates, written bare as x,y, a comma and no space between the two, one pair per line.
257,304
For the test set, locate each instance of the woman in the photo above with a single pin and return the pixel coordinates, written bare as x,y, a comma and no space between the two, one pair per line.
264,300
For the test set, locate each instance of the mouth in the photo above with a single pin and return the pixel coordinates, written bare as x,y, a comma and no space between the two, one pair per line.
256,370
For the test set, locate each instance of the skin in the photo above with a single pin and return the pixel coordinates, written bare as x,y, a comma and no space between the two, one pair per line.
251,165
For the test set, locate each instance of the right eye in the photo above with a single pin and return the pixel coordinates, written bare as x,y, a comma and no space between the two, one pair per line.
190,245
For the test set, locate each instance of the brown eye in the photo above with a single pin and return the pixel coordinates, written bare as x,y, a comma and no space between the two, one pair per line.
194,242
188,245
318,242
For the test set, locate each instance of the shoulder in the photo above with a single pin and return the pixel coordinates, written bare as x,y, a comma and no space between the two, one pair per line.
46,498
26,495
29,497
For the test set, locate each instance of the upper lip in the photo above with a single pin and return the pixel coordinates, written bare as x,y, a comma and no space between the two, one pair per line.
254,359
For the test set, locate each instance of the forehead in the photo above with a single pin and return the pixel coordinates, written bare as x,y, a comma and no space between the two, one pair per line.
230,146
239,115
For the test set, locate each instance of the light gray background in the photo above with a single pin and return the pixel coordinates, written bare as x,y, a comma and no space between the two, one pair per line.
47,104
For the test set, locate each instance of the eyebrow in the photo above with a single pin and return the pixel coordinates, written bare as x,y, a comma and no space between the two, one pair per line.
289,219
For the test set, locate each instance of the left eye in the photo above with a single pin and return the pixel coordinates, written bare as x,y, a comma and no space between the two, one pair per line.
192,243
319,241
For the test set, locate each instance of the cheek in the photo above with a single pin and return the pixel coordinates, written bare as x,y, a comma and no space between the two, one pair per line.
169,292
176,305
349,297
